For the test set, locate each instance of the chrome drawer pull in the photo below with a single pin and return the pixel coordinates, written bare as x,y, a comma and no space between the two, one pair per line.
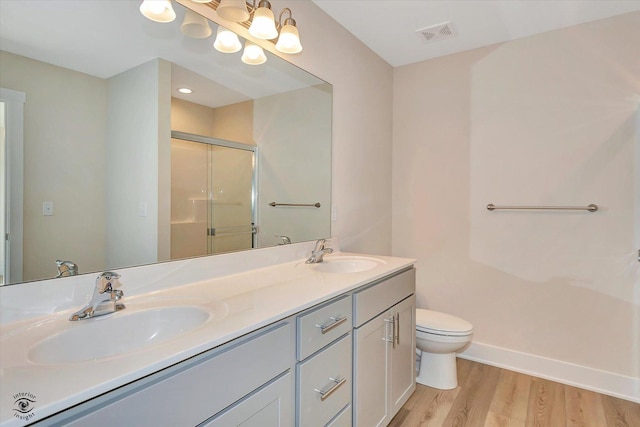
397,328
334,387
336,321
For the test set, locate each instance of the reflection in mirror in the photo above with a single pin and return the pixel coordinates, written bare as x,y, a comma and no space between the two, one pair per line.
122,169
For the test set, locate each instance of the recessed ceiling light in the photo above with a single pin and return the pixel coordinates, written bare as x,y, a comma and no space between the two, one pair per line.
185,90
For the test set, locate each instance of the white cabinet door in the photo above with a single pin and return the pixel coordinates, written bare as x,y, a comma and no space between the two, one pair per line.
270,407
403,354
384,364
371,360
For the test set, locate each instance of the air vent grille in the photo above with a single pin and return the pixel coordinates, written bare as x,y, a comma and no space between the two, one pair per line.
437,32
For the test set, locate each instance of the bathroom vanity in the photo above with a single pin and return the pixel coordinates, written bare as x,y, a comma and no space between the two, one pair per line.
329,344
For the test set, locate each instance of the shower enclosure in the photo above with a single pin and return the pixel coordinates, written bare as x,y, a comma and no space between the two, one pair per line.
213,191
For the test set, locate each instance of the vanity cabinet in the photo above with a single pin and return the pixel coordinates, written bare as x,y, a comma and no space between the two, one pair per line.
324,371
384,349
347,361
242,378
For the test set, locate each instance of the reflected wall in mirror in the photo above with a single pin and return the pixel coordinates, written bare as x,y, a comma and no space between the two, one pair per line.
103,179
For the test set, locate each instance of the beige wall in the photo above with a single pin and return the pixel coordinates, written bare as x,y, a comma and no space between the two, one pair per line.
292,130
362,102
138,138
544,120
232,122
65,124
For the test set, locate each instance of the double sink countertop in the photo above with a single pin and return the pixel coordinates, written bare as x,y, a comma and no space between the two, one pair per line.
58,363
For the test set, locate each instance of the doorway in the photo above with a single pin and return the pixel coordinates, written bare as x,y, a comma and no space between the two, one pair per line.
11,184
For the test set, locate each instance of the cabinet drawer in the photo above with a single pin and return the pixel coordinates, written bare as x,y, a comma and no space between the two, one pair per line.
324,384
192,395
271,406
375,299
322,326
343,419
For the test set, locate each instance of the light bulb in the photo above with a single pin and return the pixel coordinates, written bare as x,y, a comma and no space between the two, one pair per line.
195,26
253,54
289,40
233,10
226,41
263,25
158,10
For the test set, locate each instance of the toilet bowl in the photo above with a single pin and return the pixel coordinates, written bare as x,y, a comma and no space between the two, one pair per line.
439,336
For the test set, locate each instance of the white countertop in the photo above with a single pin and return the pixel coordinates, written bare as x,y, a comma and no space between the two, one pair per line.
240,303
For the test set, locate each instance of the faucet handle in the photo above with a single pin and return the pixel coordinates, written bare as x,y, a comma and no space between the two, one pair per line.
104,281
320,245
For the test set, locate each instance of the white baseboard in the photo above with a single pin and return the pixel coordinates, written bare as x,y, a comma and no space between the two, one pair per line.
608,383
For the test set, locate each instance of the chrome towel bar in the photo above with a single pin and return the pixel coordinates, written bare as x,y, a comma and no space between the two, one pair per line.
591,208
316,205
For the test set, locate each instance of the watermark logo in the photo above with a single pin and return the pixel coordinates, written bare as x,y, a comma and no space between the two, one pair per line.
24,406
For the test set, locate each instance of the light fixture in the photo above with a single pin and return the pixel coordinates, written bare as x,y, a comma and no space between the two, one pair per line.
195,26
226,41
158,10
289,39
258,19
263,25
233,10
185,90
253,54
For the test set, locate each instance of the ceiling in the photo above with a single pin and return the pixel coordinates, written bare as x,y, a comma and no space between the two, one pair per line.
389,27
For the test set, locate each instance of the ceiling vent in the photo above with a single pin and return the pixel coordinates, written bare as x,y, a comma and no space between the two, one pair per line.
437,32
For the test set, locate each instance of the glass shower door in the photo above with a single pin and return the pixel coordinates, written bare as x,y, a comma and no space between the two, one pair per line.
212,196
231,189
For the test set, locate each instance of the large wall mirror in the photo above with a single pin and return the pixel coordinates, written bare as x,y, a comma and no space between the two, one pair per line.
111,166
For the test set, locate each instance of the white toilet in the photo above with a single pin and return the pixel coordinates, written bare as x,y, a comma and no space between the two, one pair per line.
439,336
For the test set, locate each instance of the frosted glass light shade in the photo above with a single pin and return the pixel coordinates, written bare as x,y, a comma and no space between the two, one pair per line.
195,26
158,10
233,10
253,54
289,40
226,41
263,25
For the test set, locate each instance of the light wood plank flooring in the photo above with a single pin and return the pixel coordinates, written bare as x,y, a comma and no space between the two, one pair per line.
487,396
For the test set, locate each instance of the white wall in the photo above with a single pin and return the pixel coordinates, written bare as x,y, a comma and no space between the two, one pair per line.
133,131
362,102
545,120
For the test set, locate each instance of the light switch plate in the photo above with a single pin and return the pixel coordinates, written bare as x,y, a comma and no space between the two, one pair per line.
47,208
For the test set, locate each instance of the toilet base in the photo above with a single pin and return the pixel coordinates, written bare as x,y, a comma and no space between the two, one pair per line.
438,371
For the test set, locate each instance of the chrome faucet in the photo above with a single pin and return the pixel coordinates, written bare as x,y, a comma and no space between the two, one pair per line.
319,252
66,268
105,298
284,240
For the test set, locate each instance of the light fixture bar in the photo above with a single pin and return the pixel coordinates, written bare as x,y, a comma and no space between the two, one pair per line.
213,4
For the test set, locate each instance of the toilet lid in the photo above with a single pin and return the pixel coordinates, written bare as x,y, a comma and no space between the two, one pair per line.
441,323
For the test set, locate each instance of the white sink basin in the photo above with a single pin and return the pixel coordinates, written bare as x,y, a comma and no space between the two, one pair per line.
118,333
347,264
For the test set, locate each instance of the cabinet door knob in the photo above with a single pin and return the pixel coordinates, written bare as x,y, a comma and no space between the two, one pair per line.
336,383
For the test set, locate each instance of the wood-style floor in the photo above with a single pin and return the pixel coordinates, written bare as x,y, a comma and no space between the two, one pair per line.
487,396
